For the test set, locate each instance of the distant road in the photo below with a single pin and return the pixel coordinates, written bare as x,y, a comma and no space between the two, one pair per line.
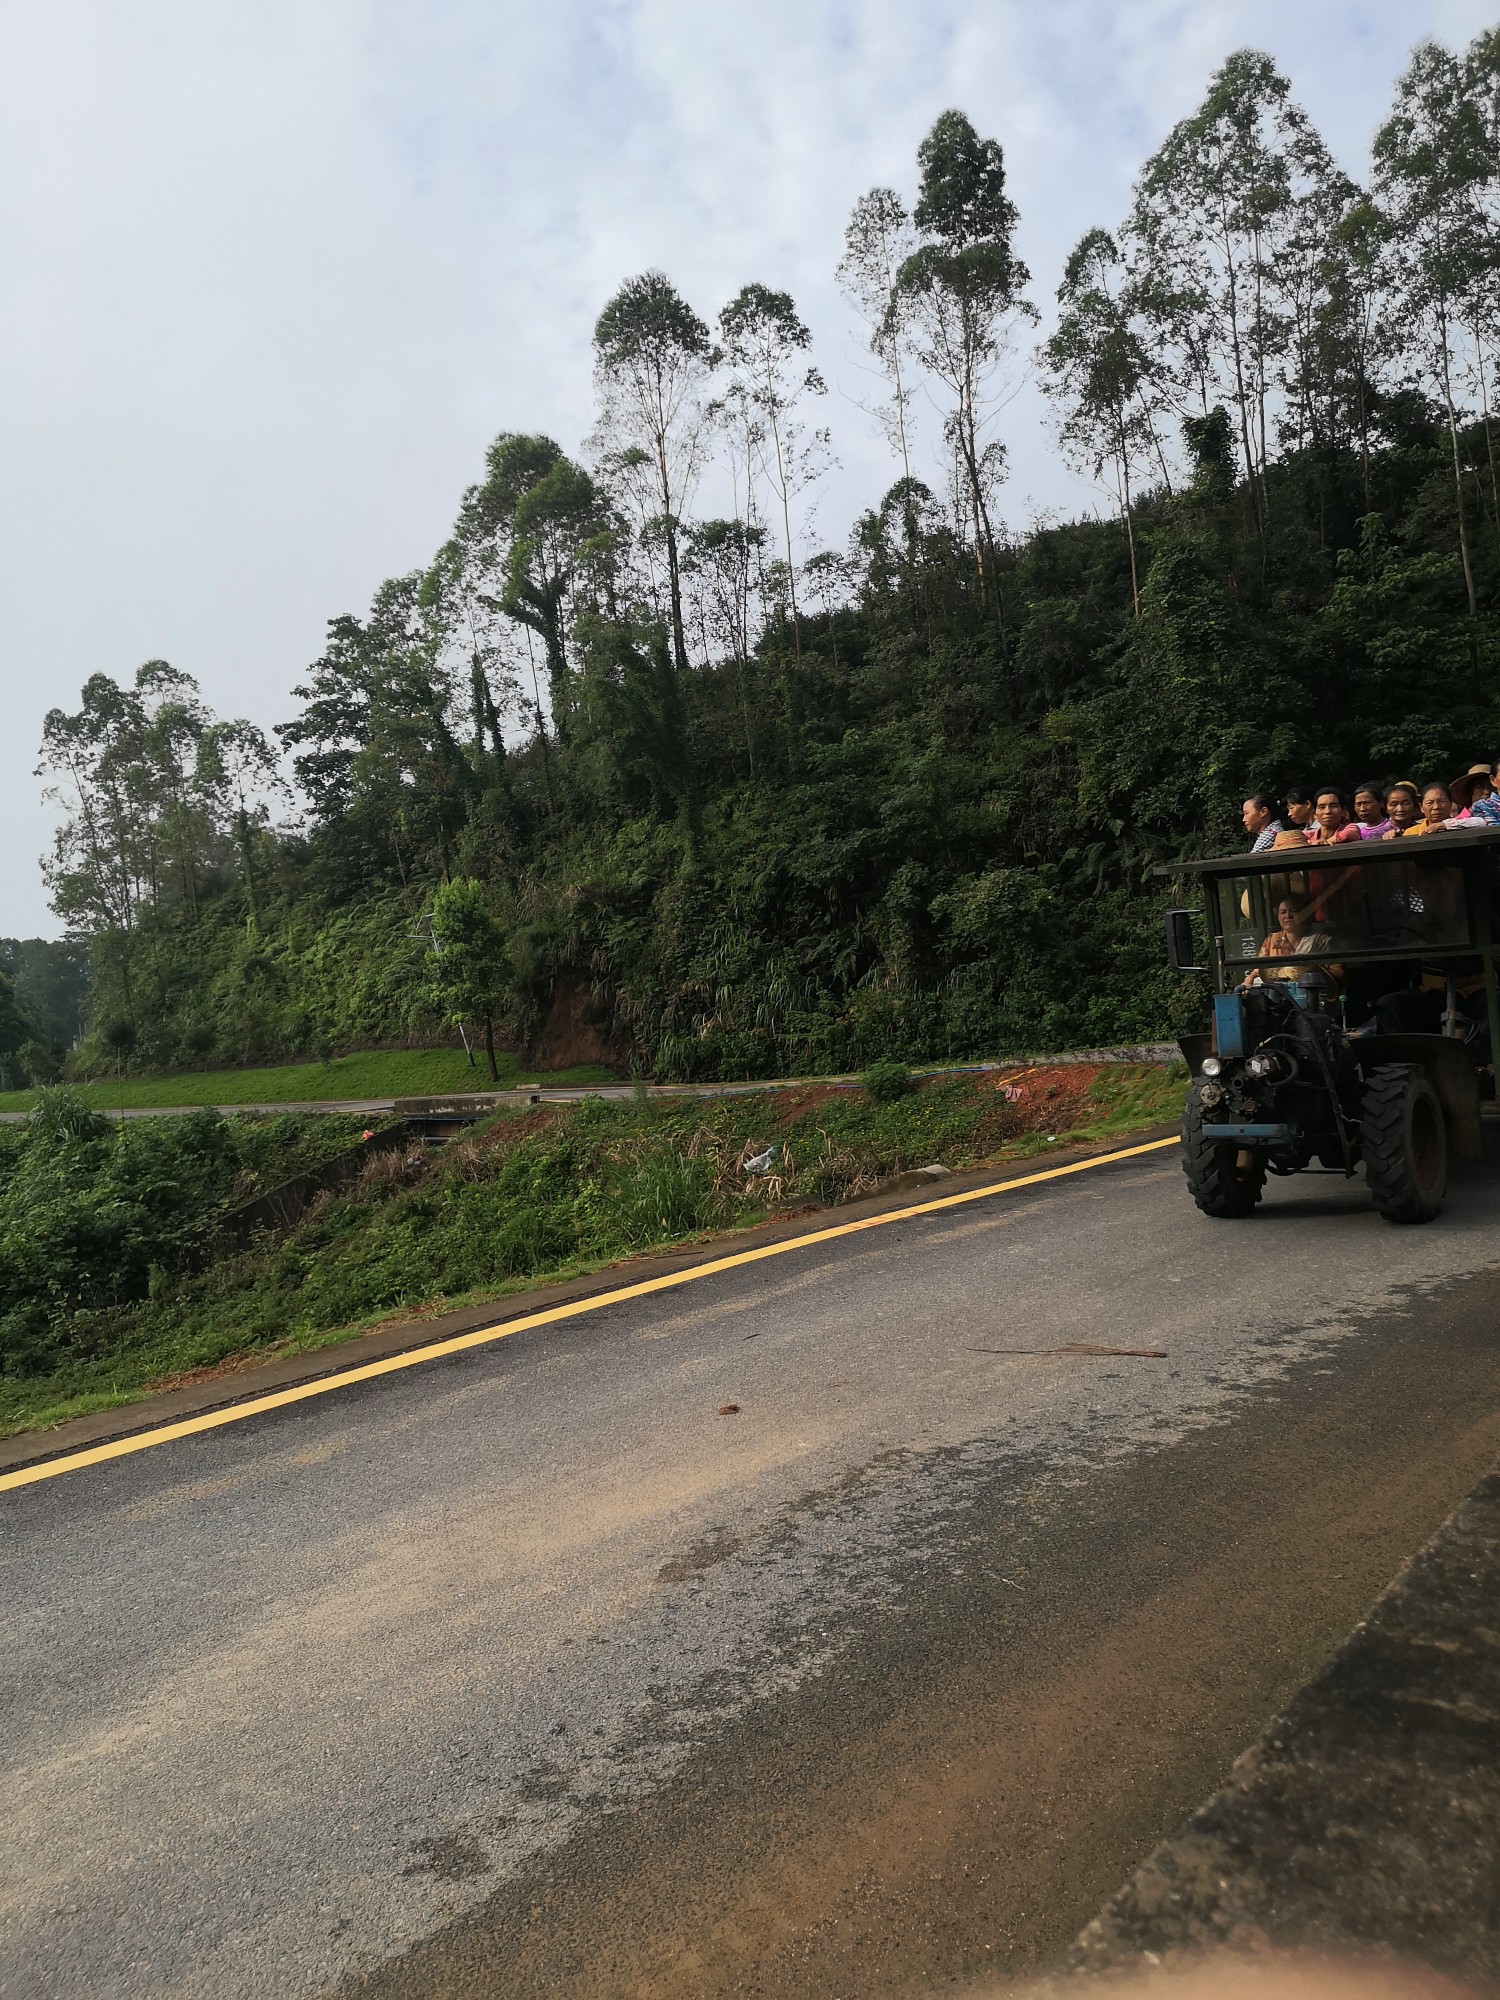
571,1093
372,1107
529,1672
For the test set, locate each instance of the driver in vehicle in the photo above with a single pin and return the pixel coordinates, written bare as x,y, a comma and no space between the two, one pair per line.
1288,940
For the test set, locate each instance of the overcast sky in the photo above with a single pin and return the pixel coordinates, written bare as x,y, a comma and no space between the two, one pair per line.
275,271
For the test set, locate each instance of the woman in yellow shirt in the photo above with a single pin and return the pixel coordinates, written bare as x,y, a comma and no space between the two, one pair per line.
1437,810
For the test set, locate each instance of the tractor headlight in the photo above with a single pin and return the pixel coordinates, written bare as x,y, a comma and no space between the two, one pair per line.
1210,1066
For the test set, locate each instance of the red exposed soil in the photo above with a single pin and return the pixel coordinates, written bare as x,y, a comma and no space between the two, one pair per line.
791,1104
1051,1099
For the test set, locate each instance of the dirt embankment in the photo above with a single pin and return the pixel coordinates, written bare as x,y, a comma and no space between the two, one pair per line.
573,1033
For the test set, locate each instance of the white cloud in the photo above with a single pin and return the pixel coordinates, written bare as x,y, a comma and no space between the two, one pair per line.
275,273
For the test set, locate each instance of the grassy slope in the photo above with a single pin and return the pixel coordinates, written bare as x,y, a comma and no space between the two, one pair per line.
533,1196
372,1073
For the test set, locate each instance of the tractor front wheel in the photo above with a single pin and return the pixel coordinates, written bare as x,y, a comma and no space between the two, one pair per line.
1405,1144
1224,1179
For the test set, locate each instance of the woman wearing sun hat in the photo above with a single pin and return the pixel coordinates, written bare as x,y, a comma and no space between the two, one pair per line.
1478,782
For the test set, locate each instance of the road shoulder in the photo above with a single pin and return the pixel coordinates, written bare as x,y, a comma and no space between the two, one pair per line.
1363,1820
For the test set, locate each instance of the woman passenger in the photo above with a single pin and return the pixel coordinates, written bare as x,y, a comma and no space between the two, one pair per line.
1403,808
1437,810
1330,817
1369,821
1476,783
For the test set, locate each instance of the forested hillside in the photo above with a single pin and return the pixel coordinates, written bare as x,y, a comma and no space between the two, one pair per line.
677,784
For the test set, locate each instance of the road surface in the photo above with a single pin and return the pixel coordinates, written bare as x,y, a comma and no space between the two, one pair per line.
529,1672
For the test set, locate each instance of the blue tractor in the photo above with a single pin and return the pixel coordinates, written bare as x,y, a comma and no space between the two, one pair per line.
1355,1016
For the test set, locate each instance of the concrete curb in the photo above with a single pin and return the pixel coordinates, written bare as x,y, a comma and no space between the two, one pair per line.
260,1378
1364,1820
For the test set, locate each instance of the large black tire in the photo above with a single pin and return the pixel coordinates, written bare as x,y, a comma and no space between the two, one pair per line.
1223,1178
1405,1143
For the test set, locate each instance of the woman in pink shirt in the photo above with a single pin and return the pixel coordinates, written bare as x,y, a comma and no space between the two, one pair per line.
1330,818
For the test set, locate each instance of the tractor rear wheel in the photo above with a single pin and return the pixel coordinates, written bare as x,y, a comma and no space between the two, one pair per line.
1223,1178
1405,1144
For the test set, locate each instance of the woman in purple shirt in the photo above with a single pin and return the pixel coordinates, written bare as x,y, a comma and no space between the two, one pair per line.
1370,821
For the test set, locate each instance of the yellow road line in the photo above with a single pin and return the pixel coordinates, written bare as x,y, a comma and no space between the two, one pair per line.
413,1357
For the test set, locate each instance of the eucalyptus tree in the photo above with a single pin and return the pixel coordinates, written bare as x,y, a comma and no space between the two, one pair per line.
652,360
461,601
176,818
1481,75
136,829
373,748
722,561
236,770
1098,371
957,299
1430,159
877,242
540,527
1358,340
94,874
1225,225
1310,281
764,342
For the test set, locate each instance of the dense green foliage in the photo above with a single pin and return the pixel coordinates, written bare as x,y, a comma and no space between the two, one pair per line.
42,987
742,807
558,1189
96,1215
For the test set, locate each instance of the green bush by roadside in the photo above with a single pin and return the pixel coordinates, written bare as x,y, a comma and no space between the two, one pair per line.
98,1216
884,1082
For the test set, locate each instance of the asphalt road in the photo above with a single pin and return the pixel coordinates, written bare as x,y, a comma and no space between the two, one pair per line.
527,1672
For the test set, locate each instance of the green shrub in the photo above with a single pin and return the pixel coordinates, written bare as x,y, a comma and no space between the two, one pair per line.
885,1082
96,1215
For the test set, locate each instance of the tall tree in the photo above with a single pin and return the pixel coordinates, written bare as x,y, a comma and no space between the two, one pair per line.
374,749
135,829
652,357
1430,155
1358,340
1097,369
721,563
961,293
1229,230
541,522
1481,72
462,600
236,770
764,341
877,242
